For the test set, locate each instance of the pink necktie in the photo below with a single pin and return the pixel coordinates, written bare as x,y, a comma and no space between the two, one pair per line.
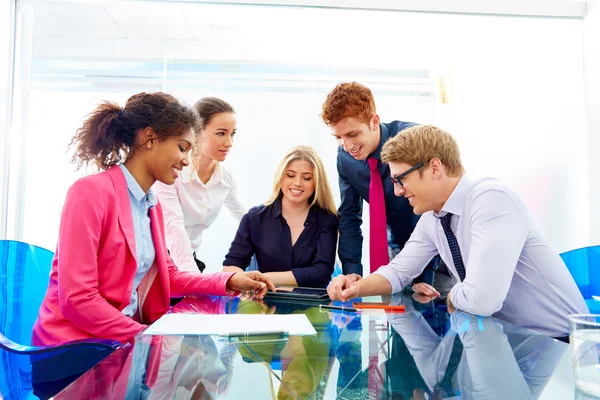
378,245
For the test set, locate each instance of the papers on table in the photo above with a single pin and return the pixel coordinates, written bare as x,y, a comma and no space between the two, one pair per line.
231,324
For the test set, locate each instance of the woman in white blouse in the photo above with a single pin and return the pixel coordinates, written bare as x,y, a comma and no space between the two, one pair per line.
193,203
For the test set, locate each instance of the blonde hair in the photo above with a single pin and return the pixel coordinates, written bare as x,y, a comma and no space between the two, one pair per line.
322,196
421,144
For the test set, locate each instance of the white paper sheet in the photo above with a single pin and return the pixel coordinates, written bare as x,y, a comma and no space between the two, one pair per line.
230,324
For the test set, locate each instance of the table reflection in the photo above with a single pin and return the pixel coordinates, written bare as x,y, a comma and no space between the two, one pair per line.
478,358
424,353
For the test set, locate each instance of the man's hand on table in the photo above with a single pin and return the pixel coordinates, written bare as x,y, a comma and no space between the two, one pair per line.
344,287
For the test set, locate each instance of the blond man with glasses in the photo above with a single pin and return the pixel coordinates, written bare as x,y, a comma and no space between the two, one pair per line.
484,233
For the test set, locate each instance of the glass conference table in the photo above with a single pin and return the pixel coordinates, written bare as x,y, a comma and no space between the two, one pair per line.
423,353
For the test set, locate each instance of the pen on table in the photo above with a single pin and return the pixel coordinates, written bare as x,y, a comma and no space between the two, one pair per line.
338,308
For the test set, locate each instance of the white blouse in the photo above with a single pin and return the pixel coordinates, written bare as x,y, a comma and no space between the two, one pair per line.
190,207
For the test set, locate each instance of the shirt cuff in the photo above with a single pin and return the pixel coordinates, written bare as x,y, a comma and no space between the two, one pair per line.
352,268
455,297
299,277
389,274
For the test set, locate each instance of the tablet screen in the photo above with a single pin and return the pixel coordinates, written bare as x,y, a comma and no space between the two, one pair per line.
300,293
303,290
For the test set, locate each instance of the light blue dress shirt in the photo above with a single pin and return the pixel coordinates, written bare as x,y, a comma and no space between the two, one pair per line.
144,244
512,270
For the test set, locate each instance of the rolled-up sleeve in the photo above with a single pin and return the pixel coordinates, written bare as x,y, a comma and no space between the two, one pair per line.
498,234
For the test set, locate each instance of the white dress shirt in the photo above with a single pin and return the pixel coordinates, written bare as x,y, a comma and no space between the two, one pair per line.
190,207
512,271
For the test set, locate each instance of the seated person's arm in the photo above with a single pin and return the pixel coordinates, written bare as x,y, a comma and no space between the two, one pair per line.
79,238
241,249
232,268
498,234
283,278
318,274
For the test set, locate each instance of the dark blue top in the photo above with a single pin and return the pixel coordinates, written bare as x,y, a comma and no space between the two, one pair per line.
263,231
354,180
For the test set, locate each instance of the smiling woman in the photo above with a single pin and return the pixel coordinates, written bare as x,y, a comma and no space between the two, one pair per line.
111,275
196,199
294,234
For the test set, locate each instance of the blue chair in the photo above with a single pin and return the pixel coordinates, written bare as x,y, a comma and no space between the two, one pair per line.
24,277
584,265
337,269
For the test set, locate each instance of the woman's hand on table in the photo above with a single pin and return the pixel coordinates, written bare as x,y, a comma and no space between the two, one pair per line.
252,281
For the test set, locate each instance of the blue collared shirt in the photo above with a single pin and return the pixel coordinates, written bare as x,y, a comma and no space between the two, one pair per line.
263,231
144,244
354,179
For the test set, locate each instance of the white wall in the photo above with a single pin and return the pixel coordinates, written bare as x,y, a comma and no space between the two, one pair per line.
518,112
591,56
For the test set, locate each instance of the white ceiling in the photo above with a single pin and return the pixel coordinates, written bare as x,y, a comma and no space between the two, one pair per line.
93,41
170,20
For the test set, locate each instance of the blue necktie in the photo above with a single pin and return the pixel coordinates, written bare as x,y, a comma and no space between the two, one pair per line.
445,385
456,257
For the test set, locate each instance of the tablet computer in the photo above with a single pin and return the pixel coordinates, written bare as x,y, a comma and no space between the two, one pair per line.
300,293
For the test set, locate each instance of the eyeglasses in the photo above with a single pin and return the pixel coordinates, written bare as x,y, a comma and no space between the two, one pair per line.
398,178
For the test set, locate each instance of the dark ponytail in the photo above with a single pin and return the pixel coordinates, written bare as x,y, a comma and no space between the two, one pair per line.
108,133
208,107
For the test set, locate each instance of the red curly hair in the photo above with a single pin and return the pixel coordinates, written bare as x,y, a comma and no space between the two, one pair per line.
348,100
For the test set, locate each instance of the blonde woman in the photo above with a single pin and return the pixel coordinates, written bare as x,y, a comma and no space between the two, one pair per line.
193,203
294,234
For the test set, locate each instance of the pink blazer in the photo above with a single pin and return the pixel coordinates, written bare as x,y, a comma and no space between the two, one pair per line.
95,263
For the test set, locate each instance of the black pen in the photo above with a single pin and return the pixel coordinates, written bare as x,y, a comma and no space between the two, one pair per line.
338,308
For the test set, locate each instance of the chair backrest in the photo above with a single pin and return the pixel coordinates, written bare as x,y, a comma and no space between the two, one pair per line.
24,277
584,265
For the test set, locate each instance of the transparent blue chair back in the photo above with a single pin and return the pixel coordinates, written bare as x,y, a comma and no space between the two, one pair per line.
584,265
24,276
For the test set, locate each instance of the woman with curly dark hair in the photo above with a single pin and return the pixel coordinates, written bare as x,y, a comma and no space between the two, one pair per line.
111,274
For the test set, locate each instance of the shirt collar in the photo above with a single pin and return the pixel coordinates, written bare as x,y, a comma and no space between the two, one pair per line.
277,207
456,202
135,189
384,136
187,176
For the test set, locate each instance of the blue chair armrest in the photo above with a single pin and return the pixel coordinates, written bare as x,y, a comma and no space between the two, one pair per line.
13,347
